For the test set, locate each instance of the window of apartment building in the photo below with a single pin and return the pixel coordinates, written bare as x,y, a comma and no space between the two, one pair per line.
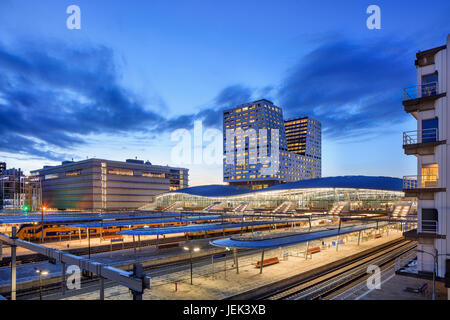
430,175
429,220
430,130
429,84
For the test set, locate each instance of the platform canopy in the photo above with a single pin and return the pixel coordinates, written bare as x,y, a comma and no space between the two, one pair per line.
145,221
67,218
200,227
285,239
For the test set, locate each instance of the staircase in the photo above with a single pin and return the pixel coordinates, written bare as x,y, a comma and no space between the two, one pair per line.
173,206
211,206
336,209
401,211
284,207
148,207
241,208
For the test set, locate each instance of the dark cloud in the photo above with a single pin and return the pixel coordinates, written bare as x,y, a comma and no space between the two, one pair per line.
52,96
212,116
352,88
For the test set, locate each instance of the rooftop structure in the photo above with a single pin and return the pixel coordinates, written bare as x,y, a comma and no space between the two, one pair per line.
352,192
104,184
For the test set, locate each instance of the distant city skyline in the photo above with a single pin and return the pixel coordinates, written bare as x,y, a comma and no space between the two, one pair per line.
119,86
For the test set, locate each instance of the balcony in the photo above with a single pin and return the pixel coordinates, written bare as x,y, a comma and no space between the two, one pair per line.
421,97
430,227
422,187
421,142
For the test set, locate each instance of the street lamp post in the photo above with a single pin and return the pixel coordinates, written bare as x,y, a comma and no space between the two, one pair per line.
190,255
435,262
42,223
41,273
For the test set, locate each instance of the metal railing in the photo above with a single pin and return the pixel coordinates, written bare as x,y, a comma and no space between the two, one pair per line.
430,226
420,136
420,91
420,182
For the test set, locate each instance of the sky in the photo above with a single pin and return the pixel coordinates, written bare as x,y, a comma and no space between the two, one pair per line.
138,70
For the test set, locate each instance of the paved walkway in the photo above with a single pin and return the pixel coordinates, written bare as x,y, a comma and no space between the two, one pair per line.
27,272
83,243
221,285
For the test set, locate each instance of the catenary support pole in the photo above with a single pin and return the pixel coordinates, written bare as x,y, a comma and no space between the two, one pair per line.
13,266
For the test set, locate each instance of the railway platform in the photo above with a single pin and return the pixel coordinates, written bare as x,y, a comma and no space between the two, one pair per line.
224,282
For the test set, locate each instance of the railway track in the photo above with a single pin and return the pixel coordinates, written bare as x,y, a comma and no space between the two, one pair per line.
89,284
330,281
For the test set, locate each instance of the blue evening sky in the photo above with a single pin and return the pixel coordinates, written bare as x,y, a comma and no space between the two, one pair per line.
137,70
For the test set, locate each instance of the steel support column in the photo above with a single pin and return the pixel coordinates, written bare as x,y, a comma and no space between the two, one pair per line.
63,278
236,260
262,261
102,288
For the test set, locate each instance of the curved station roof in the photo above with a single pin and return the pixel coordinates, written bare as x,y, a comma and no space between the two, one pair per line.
350,182
200,227
286,239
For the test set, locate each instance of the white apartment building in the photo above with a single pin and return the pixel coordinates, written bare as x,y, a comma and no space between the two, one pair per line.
428,103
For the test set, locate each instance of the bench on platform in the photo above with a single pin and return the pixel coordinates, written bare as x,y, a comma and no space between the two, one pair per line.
113,237
420,289
313,250
267,262
377,236
168,246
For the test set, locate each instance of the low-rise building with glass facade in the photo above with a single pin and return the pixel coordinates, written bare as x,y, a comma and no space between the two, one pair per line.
353,193
97,184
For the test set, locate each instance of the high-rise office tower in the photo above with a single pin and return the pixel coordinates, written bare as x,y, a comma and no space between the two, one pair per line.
304,137
429,104
256,149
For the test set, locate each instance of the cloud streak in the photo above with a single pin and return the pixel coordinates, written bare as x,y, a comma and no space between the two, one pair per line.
352,88
53,96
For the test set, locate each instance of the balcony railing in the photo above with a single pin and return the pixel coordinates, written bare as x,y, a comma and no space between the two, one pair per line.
430,226
420,136
420,182
425,90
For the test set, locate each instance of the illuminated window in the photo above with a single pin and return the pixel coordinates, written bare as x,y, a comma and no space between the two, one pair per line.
73,173
153,175
121,172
